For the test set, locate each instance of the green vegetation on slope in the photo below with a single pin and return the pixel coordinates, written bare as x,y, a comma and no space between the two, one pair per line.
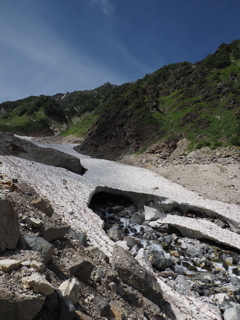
198,101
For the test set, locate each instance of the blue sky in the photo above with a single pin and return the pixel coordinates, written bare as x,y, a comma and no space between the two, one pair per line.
52,46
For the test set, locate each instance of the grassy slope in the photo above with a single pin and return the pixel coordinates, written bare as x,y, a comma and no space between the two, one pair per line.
200,102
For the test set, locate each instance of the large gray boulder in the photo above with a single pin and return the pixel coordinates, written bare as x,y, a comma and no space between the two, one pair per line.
11,145
51,232
133,274
38,244
15,306
79,266
9,228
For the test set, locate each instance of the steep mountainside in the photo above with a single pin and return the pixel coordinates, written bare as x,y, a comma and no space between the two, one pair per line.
200,102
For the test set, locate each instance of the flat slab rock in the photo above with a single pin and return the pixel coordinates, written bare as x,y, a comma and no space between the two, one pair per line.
199,229
11,145
9,228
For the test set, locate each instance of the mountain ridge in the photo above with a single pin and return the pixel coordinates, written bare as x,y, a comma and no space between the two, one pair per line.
199,102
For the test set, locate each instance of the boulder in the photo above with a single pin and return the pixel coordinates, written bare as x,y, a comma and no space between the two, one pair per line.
102,305
80,236
231,314
43,206
131,242
159,260
9,264
80,267
133,274
15,306
9,228
31,222
11,145
40,245
115,234
51,232
152,214
137,218
38,283
38,266
98,254
116,310
70,290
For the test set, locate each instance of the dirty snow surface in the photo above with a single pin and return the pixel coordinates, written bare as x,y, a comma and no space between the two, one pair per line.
70,193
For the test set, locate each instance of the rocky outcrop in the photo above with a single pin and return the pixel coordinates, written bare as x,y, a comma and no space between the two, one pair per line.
70,290
132,273
38,283
9,229
15,306
42,205
38,244
80,267
50,232
11,145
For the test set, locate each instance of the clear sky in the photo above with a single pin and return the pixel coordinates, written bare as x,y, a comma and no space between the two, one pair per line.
52,46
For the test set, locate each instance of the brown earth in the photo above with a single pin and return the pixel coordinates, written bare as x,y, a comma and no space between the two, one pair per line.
214,174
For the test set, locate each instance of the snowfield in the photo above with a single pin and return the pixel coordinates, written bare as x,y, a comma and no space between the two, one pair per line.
70,194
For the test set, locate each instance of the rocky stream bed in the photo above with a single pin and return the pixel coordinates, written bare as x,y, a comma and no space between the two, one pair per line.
191,267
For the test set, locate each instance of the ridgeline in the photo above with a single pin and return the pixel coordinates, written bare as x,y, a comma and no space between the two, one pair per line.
199,102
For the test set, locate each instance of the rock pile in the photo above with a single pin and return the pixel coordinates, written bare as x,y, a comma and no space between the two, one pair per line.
105,279
200,269
48,271
162,155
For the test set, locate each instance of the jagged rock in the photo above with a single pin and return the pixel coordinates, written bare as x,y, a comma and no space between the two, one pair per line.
70,289
80,267
11,145
39,266
130,295
133,274
112,277
9,228
80,236
137,218
67,310
152,214
116,310
38,283
9,264
102,305
231,314
81,316
159,260
51,232
56,308
98,274
15,306
31,222
43,206
115,234
99,254
40,245
131,242
112,286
